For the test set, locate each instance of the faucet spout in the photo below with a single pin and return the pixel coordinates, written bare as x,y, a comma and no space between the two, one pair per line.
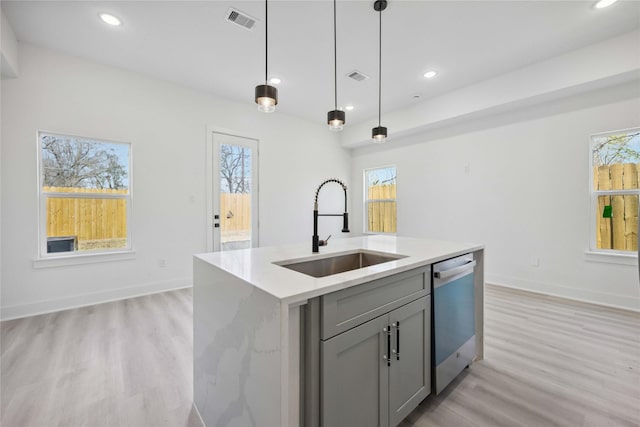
315,241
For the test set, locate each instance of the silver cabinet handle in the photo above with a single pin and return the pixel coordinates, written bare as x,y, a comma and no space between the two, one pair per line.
396,350
398,341
387,356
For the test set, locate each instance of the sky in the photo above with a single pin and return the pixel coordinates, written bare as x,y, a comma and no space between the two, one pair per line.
120,149
385,175
633,145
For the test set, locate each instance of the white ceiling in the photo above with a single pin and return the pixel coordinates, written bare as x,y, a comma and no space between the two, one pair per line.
189,42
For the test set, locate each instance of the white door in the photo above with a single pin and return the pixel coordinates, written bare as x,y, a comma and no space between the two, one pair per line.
233,192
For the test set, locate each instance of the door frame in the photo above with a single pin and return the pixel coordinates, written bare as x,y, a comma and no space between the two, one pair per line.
209,205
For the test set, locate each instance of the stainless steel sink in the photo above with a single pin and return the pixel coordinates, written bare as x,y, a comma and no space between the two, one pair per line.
339,263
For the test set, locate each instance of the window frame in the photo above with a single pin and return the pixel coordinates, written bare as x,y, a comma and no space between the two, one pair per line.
99,255
593,202
366,201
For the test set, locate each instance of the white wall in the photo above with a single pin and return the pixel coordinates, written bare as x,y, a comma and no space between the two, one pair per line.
8,49
166,125
8,69
526,194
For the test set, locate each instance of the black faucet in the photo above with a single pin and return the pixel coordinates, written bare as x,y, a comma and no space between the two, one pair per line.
316,242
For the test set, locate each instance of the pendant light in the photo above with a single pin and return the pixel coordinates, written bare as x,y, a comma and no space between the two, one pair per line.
266,95
335,118
379,134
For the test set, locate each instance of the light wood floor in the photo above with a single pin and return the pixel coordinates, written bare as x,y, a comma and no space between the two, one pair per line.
548,362
125,363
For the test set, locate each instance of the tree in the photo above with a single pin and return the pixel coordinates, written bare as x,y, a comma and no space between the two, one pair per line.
615,149
234,169
69,162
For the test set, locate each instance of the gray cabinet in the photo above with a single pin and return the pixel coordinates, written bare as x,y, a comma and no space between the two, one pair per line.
367,352
355,378
410,370
375,374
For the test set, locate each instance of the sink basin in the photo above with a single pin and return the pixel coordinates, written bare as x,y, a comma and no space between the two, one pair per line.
339,263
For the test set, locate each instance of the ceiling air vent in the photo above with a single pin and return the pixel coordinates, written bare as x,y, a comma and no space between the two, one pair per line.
240,18
357,76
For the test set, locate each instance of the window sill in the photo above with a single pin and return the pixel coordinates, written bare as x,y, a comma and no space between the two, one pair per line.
63,261
611,258
375,233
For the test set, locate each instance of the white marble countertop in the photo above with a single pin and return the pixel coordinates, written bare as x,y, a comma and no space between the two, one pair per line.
256,266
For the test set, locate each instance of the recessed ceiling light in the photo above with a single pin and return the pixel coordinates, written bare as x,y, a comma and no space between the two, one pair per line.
275,81
604,3
108,18
430,74
349,107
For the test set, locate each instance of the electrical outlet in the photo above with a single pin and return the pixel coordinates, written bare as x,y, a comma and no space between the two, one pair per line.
162,262
467,168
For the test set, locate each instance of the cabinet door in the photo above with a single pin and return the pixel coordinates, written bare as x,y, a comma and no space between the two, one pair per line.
410,372
355,377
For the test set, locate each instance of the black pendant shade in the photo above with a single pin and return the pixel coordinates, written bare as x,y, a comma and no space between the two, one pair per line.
379,134
335,118
266,98
266,95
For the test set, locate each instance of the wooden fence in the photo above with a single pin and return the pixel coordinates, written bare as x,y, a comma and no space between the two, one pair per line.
89,219
382,216
621,230
100,223
235,212
100,219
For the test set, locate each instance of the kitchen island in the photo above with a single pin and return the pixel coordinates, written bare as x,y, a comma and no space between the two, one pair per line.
248,341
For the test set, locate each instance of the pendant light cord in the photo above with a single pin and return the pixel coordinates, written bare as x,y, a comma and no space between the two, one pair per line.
335,58
266,42
380,69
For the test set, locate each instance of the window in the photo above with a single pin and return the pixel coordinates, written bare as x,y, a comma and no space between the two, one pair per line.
380,200
85,202
614,197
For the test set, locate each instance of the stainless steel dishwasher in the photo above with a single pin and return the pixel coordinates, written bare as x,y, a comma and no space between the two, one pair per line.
453,318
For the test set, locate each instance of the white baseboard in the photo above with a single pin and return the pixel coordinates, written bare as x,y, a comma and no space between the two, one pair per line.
50,306
624,302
